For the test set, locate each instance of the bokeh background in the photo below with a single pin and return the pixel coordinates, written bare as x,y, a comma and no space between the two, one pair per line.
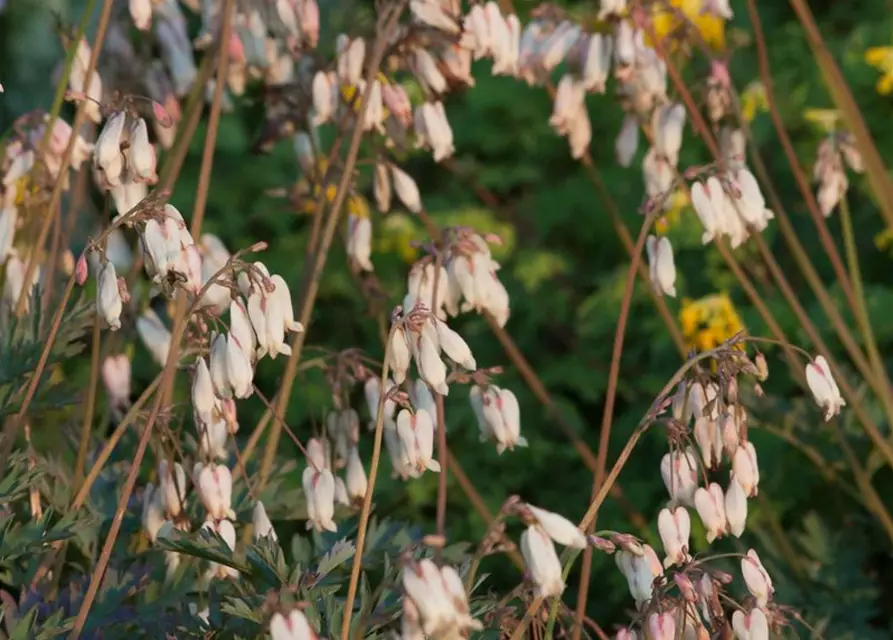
565,268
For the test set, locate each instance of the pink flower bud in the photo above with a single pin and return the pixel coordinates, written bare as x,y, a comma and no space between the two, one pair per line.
80,270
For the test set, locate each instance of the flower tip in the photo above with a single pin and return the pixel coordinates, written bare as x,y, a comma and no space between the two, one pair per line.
162,117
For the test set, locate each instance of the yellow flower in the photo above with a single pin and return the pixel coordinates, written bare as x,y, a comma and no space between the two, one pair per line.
348,91
825,119
397,232
677,204
753,100
667,22
881,58
709,321
884,241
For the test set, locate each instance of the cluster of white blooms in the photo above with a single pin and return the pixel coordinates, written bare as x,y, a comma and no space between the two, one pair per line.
498,416
291,626
731,205
124,160
835,151
720,428
472,283
538,548
435,604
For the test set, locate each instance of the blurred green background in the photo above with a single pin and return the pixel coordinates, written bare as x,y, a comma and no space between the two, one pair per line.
564,268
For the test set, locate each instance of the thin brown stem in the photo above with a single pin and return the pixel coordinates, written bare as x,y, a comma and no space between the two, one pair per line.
367,502
608,412
799,177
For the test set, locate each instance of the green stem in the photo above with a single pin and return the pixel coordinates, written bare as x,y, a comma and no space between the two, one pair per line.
852,257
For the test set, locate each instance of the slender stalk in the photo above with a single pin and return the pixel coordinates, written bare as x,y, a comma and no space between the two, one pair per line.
799,177
111,442
608,416
843,98
862,317
367,499
89,405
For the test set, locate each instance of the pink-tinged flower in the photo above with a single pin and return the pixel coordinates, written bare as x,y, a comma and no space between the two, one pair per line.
455,590
456,61
424,585
611,9
627,141
579,134
79,83
710,504
453,346
432,13
155,336
171,487
662,626
416,433
203,398
658,175
625,633
238,368
424,67
226,530
736,507
263,528
355,478
498,416
107,155
542,562
709,441
674,527
729,434
425,346
153,517
214,484
640,572
141,13
746,469
324,90
218,366
108,298
351,55
668,122
757,578
293,626
399,354
661,265
359,241
308,16
433,130
679,470
213,436
559,528
569,99
750,626
372,391
241,329
142,153
397,101
411,622
823,387
596,62
116,378
319,491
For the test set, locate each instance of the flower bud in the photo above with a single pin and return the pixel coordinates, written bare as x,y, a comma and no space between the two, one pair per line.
108,297
263,528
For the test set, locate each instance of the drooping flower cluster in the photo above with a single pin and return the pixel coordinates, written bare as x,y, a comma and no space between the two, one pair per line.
435,602
731,206
836,151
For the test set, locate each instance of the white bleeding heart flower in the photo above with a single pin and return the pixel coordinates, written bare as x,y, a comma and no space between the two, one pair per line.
319,490
214,484
823,387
